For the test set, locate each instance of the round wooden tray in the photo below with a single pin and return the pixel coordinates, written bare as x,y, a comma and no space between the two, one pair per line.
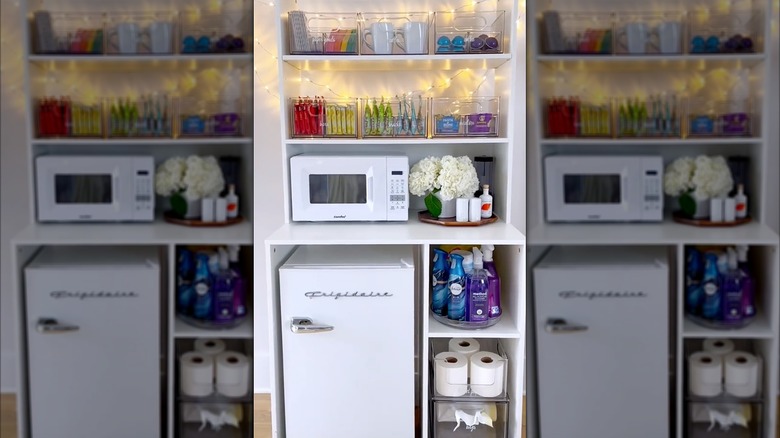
679,218
171,218
426,217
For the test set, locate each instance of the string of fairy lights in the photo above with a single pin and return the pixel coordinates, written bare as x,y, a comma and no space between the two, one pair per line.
436,85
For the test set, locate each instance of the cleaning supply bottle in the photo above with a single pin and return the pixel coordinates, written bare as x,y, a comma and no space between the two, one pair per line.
711,306
441,275
731,291
694,290
456,284
223,290
202,307
494,282
239,291
185,289
477,287
748,294
468,260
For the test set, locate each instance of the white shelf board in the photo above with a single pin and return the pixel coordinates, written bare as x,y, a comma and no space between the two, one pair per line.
154,233
142,141
651,141
643,62
136,62
504,328
400,140
758,329
664,233
396,62
389,233
243,331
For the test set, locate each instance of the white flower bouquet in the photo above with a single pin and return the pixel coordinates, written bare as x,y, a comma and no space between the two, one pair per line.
188,179
697,180
449,177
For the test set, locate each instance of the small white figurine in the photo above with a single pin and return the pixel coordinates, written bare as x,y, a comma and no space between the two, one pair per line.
216,421
472,421
726,421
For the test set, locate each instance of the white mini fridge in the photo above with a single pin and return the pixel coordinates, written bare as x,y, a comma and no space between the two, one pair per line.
602,342
347,332
93,342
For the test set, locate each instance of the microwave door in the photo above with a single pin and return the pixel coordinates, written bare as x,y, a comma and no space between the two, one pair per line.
81,195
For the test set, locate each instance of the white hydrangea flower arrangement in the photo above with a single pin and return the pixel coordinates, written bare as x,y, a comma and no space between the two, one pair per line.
450,177
696,180
189,179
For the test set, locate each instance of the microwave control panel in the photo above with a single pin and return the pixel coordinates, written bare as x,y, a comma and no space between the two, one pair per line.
144,188
653,205
398,192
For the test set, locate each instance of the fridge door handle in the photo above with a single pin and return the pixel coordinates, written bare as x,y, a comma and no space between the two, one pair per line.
52,326
560,326
305,325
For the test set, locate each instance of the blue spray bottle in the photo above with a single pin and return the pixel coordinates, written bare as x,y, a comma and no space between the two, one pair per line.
441,275
456,308
202,307
711,307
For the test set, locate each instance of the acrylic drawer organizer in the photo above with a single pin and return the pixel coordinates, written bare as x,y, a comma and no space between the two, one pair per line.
577,33
394,33
68,33
228,32
738,32
469,419
140,33
62,117
573,117
465,117
486,380
320,117
720,119
405,116
469,32
657,116
147,116
221,118
648,33
312,33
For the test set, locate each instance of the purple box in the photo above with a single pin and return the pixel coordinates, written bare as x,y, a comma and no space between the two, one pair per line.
735,124
227,124
479,123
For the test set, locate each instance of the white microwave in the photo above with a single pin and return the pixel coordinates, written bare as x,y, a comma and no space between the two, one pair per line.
344,188
603,188
78,188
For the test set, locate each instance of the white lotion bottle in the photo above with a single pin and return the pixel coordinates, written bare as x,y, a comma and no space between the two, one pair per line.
487,202
232,202
741,202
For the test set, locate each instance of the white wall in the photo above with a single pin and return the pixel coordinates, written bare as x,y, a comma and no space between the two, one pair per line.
14,202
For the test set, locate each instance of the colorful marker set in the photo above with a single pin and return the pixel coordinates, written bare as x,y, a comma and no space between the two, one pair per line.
63,118
148,116
570,117
656,117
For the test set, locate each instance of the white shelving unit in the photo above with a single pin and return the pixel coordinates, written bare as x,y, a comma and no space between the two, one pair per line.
601,76
387,75
99,76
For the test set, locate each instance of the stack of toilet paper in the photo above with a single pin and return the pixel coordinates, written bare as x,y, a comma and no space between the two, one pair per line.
210,366
719,367
464,367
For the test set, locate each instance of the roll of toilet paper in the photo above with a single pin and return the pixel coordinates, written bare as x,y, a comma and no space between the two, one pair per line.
718,347
486,374
196,374
451,374
232,374
464,346
705,374
740,374
211,347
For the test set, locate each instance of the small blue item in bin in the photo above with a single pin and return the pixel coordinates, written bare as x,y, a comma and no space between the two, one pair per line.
443,44
204,44
458,44
188,45
712,45
193,125
448,125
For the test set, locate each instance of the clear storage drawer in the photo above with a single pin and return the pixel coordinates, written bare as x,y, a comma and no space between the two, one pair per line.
469,419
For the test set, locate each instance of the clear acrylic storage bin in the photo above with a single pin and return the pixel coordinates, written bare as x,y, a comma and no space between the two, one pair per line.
228,32
147,116
219,118
580,33
452,419
737,32
655,116
482,377
724,420
67,33
720,118
394,33
320,117
469,32
62,117
649,33
313,33
573,117
405,116
140,33
465,117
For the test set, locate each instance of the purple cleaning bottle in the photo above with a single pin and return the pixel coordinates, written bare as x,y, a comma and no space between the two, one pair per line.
731,291
494,282
477,291
223,291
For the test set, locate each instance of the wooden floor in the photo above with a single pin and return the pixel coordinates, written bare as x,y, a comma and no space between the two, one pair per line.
262,416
